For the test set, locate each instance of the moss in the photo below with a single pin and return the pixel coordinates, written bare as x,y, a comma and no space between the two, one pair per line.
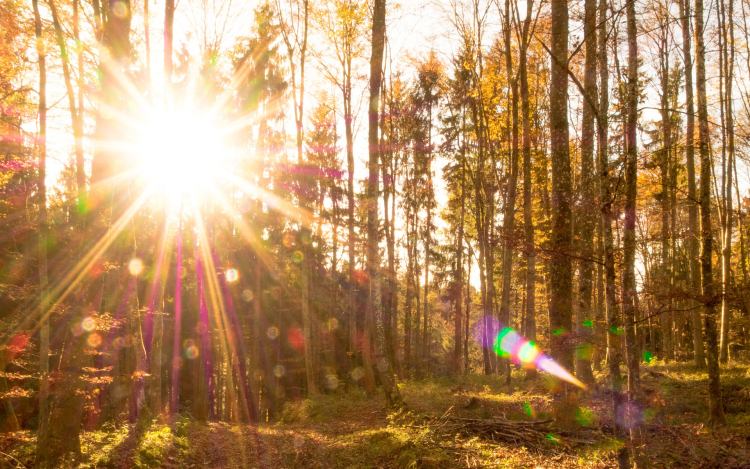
99,448
154,447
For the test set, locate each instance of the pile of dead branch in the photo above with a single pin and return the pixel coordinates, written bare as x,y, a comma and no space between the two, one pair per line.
530,433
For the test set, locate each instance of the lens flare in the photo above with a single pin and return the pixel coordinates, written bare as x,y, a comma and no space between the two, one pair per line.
94,340
191,352
509,343
231,275
135,267
88,324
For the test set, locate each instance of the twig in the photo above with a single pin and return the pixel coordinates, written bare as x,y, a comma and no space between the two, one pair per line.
11,457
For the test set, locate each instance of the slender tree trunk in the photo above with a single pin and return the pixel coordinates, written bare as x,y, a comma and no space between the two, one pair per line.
42,222
468,309
78,124
509,220
631,180
729,123
409,290
587,218
458,313
664,163
387,378
693,234
606,198
486,341
529,324
707,282
177,331
305,186
353,326
158,285
426,336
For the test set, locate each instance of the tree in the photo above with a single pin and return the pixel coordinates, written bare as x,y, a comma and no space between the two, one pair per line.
707,280
343,24
606,198
561,272
375,305
587,216
692,196
629,308
509,223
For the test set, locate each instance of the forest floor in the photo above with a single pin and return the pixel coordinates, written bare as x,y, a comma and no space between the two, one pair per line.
439,428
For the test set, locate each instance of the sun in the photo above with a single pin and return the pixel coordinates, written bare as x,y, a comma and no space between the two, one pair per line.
179,153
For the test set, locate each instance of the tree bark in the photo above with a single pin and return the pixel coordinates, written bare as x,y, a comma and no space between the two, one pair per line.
375,311
561,272
587,217
41,222
509,220
716,411
693,234
631,180
458,311
726,265
664,165
606,198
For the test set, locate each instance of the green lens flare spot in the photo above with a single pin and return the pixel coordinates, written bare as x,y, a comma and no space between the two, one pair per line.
588,323
559,331
648,356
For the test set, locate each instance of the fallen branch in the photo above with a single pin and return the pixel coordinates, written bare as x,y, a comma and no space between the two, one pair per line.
531,433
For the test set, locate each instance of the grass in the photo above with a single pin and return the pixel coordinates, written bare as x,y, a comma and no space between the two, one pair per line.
348,429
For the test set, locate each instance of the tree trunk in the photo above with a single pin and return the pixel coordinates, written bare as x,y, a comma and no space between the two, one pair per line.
509,220
468,310
726,265
606,198
11,422
409,290
561,272
631,179
693,234
78,125
375,311
664,165
177,331
458,311
41,224
587,218
707,281
426,336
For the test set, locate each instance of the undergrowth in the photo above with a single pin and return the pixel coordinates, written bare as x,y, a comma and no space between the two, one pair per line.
349,429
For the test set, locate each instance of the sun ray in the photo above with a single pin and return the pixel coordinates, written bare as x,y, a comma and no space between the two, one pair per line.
76,274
